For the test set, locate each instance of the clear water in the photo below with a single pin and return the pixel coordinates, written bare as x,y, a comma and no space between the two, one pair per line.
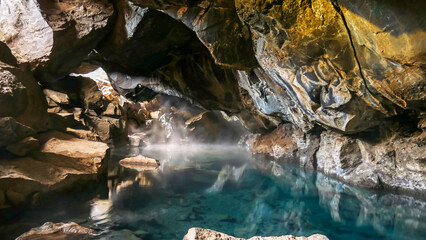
223,188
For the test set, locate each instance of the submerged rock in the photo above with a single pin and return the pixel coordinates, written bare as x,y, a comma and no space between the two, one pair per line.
57,231
207,234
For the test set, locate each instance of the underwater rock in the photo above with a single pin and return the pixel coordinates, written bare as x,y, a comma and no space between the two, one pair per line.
207,234
372,209
57,231
140,163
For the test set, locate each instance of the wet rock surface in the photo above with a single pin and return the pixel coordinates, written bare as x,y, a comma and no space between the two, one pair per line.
287,144
329,62
57,231
140,163
207,234
395,163
346,66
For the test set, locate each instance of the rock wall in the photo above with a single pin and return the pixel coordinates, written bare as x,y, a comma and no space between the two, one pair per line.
343,68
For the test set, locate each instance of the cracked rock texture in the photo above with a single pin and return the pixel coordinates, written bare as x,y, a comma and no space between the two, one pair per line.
396,163
53,37
23,107
337,66
59,163
51,230
333,59
207,234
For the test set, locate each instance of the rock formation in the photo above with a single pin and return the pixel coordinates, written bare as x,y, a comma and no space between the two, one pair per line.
207,234
51,230
56,162
348,69
53,37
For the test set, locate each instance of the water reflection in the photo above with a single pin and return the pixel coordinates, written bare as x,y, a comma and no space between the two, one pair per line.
226,173
222,188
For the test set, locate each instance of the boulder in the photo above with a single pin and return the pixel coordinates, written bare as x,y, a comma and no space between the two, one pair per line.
53,36
55,98
62,161
90,95
13,130
57,231
140,163
207,234
107,128
396,163
23,110
83,134
112,109
24,146
288,144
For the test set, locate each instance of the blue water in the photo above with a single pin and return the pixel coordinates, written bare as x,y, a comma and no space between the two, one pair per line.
223,188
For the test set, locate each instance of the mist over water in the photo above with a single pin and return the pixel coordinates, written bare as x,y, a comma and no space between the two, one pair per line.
222,187
174,121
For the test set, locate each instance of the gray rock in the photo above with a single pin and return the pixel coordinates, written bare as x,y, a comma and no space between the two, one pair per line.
38,33
207,234
287,144
395,163
64,231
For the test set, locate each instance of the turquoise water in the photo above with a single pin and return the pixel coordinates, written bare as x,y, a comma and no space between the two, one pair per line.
224,189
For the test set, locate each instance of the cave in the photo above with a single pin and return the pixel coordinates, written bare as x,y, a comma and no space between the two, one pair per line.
173,119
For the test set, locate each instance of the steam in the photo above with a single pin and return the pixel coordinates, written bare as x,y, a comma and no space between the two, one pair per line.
175,121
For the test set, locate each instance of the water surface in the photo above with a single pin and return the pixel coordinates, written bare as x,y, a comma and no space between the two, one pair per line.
223,188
